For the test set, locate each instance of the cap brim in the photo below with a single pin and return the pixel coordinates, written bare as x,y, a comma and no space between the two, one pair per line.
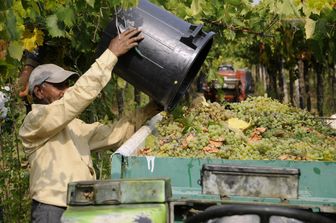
60,77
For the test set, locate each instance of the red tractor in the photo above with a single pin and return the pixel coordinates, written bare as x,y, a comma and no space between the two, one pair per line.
234,86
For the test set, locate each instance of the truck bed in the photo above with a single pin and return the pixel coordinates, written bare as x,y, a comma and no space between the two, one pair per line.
315,189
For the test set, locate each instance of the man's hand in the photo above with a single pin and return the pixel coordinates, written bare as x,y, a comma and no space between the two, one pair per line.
125,41
23,81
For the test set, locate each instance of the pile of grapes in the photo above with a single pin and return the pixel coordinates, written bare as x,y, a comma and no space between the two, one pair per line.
274,131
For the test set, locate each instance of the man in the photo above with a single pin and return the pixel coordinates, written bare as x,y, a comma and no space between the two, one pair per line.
57,143
34,58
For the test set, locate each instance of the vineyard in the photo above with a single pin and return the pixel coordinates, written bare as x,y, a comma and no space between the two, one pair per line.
289,45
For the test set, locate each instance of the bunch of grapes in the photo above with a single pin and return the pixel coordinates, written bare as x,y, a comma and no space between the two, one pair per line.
276,131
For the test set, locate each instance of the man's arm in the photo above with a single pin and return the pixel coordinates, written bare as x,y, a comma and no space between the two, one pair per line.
112,136
46,121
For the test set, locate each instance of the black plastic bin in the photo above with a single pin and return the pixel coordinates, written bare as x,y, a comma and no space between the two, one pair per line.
167,60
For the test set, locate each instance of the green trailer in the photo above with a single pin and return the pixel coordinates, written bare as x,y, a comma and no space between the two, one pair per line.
166,189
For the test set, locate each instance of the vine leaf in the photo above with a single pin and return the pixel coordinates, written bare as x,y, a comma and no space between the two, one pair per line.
309,28
11,25
53,28
15,49
90,2
66,15
237,123
287,8
121,83
196,7
32,39
316,6
19,9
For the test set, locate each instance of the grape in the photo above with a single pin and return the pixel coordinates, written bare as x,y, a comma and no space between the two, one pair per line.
277,132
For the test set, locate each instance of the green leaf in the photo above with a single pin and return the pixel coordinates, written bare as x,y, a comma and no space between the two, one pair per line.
11,25
127,4
53,28
234,2
19,9
309,28
66,15
121,83
6,4
316,6
34,8
111,2
15,50
51,5
229,34
287,8
244,12
90,2
196,7
238,22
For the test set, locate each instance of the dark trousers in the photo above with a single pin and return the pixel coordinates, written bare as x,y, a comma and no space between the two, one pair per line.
45,213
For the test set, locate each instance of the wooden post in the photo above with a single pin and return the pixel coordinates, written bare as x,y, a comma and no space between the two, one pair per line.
301,85
319,87
284,83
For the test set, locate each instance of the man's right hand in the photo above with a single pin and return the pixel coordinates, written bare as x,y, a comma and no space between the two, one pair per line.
122,43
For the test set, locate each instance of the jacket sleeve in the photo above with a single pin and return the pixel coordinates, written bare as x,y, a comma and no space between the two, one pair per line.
45,121
112,136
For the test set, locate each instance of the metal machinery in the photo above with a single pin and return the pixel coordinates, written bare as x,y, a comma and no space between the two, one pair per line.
166,189
231,85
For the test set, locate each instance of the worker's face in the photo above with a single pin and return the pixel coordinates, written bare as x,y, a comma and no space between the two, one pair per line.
50,92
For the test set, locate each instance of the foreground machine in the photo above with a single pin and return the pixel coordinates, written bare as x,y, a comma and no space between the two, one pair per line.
166,189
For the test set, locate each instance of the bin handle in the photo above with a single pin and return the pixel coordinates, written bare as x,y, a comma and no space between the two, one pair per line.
188,40
196,30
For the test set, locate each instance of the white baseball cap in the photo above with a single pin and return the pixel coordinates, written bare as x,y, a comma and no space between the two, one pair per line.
50,73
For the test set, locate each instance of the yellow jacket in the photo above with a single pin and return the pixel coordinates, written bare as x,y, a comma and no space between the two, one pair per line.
59,145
